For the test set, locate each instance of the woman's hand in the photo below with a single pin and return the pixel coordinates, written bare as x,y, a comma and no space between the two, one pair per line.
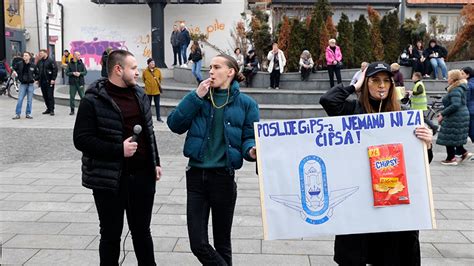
440,118
361,80
424,134
203,88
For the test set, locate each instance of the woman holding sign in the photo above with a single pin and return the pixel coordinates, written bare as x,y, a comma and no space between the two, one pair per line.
376,94
219,121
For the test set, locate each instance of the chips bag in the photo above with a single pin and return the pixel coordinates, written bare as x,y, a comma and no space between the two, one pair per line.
389,182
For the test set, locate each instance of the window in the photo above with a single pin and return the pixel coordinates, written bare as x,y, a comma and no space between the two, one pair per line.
448,22
50,6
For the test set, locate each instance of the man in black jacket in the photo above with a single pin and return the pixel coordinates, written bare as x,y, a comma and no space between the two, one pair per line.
176,45
122,171
76,70
27,73
436,54
184,40
48,71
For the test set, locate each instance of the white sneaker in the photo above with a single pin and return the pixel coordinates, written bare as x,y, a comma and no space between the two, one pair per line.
184,65
269,88
277,88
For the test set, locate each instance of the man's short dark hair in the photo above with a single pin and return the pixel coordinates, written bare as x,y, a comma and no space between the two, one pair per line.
116,58
44,50
418,75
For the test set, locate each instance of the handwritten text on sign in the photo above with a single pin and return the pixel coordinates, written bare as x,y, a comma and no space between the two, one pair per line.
327,136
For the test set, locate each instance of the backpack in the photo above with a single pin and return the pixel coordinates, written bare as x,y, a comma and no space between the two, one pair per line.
3,71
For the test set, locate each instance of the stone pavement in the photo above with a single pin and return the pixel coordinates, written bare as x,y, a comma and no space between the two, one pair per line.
48,218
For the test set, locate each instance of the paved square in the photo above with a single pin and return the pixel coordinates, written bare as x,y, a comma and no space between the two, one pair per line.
47,217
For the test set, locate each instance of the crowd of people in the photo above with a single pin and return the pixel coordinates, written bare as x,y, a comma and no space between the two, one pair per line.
121,162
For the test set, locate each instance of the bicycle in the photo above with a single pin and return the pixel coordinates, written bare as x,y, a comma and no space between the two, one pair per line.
11,87
435,107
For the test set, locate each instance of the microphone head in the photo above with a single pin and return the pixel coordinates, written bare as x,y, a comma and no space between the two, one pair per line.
137,129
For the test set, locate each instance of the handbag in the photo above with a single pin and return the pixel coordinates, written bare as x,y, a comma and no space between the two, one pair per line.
157,82
339,64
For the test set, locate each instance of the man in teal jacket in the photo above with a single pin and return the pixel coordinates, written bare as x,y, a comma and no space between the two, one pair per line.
219,120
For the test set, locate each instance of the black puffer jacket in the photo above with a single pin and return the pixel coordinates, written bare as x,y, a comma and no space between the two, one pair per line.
27,73
98,134
48,70
385,248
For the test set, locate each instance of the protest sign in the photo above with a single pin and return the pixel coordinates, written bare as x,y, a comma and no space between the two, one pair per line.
315,175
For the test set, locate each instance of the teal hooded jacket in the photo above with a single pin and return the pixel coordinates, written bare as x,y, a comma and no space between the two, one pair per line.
194,115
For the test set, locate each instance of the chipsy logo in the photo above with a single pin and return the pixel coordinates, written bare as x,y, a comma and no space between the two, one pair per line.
386,163
380,66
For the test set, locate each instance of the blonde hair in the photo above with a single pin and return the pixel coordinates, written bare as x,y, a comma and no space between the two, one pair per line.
394,67
332,41
455,74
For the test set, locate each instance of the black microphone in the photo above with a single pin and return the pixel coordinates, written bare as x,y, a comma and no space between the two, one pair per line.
137,129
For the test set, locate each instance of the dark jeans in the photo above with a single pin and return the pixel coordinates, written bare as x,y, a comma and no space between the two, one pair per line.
183,49
451,151
305,73
138,205
210,190
177,54
156,98
48,94
331,70
275,78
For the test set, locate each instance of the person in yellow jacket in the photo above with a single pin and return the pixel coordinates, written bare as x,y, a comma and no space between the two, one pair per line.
152,79
418,94
67,57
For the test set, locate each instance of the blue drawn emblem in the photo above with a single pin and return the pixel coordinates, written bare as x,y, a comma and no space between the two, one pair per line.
314,188
315,203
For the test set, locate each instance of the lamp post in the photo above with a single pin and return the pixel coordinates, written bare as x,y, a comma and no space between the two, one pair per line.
47,34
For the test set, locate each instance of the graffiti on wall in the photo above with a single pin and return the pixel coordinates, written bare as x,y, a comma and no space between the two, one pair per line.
145,41
91,51
213,27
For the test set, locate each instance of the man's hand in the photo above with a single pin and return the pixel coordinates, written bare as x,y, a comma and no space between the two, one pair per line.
253,153
203,88
440,118
52,82
129,148
159,173
14,74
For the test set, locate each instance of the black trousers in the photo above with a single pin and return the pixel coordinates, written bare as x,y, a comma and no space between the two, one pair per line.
331,70
452,151
248,77
48,94
137,201
305,73
177,54
210,190
275,78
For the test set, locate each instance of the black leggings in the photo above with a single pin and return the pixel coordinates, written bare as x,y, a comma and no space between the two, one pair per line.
210,190
137,201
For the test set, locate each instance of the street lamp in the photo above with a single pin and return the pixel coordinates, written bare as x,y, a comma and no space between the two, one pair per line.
47,33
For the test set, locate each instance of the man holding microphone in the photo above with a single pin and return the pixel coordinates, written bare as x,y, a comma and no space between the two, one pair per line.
120,169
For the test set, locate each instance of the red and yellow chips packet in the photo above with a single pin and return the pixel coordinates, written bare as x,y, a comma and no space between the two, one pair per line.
389,179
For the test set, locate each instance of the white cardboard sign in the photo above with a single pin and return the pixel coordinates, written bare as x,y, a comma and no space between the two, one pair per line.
315,175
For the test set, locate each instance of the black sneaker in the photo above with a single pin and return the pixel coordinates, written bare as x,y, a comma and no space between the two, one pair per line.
160,120
72,112
29,117
51,113
46,112
16,117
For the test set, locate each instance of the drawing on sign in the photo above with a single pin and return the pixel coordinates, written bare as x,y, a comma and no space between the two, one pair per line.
315,203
